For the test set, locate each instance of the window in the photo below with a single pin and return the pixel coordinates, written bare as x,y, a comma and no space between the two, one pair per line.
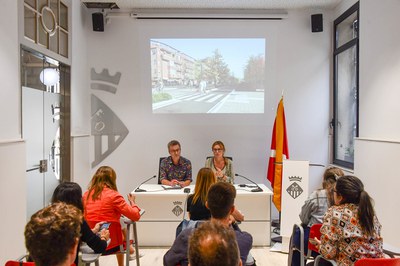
46,24
345,95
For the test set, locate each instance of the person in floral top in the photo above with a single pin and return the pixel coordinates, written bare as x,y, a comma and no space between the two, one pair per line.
175,170
350,230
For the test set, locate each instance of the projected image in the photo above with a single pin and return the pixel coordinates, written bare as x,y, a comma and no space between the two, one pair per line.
208,75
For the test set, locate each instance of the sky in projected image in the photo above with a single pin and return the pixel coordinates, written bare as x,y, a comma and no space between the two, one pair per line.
221,75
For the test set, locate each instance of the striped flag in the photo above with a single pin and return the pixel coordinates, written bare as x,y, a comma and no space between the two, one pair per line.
279,151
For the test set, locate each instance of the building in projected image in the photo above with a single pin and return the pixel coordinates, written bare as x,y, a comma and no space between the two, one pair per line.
171,67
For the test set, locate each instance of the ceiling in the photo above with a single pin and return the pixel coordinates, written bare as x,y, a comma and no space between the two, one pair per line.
224,4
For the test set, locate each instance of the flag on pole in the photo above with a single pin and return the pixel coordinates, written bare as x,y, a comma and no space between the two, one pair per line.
279,151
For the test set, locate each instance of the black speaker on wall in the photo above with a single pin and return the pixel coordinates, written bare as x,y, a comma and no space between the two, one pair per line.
98,21
316,23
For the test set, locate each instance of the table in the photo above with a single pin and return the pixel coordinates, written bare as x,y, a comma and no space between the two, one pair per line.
165,209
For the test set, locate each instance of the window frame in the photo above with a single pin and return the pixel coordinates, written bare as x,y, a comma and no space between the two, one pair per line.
354,42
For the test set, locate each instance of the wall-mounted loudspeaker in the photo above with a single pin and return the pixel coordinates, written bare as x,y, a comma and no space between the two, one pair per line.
98,21
316,23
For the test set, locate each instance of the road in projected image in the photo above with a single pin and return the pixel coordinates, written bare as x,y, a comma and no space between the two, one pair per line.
217,75
189,100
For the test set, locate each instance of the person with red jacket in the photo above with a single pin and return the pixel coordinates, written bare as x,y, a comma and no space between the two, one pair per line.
103,202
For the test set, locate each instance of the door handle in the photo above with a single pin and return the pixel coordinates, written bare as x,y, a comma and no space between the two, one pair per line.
43,166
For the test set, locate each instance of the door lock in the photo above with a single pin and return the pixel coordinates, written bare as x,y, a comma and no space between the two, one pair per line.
43,166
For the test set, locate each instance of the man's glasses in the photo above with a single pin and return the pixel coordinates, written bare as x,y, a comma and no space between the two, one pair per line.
175,151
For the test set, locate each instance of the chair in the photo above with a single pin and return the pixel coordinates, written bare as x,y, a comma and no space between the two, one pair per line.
159,172
88,256
390,250
228,157
314,232
378,261
128,225
21,261
117,241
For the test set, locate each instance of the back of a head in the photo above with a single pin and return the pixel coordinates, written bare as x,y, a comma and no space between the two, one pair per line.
352,190
220,199
52,233
70,193
331,175
104,176
205,178
213,244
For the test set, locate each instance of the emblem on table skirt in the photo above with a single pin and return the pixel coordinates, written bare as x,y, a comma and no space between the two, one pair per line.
294,190
177,210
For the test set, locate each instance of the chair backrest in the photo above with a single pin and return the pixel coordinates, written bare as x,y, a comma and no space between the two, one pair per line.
378,261
314,232
229,157
159,164
19,263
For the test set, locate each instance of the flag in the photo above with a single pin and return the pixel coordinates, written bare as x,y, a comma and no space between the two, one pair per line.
279,151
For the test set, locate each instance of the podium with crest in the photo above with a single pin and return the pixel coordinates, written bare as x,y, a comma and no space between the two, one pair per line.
295,178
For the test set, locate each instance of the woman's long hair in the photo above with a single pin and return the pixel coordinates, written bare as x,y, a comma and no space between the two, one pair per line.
205,178
70,193
352,190
104,176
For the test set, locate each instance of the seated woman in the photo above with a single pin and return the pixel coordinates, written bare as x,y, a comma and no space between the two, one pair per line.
221,166
350,230
196,203
71,193
314,209
103,202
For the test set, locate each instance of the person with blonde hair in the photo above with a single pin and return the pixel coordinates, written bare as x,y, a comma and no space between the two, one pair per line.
103,202
314,208
196,203
221,165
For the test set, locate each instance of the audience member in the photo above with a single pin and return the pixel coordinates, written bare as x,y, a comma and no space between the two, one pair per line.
314,209
175,170
221,166
103,202
351,230
220,201
52,235
213,244
196,203
71,193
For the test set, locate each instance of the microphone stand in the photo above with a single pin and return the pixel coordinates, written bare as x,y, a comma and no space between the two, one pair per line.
258,189
138,189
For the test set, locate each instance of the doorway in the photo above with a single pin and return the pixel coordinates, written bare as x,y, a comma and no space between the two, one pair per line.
45,126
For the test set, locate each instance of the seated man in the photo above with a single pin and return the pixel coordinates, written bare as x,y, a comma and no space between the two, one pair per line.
213,244
175,170
220,201
52,235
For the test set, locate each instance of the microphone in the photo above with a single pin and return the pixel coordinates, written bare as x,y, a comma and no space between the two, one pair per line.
138,189
258,189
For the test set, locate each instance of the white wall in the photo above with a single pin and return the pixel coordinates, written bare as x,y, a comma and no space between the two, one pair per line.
297,62
12,150
80,101
376,161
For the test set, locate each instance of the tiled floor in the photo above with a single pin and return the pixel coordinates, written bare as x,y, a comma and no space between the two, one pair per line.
154,257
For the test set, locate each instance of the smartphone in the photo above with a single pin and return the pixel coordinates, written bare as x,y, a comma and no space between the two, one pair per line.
105,226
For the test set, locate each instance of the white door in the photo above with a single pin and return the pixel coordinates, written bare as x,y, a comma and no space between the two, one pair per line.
41,131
